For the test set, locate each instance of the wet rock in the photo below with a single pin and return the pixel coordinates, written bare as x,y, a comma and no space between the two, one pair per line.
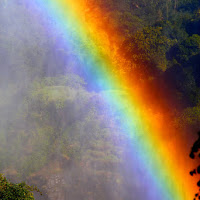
55,187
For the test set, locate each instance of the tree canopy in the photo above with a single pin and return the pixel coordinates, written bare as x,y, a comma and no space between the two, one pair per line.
18,191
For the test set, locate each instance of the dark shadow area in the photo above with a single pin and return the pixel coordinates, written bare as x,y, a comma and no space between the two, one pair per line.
195,150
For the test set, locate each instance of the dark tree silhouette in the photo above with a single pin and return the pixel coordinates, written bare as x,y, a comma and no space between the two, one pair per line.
196,150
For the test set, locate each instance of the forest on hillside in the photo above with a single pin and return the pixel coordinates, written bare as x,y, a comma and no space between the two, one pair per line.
56,130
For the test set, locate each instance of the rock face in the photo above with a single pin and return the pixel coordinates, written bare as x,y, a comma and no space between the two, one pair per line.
55,187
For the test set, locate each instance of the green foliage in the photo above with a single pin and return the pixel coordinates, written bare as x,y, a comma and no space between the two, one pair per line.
188,5
188,48
19,191
190,117
148,47
125,22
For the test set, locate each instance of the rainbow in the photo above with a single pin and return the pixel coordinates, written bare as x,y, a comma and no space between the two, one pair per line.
160,153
